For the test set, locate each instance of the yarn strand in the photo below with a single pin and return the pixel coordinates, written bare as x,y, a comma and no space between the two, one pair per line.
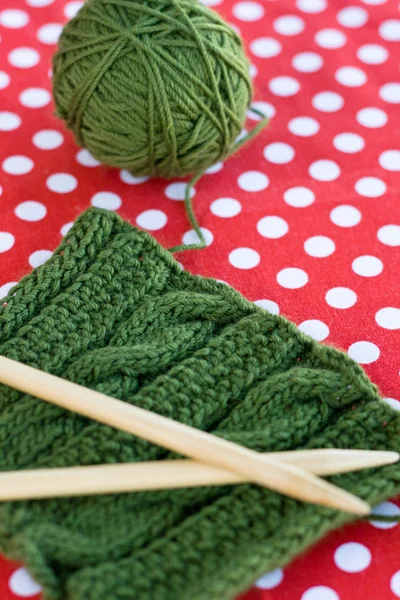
188,196
382,518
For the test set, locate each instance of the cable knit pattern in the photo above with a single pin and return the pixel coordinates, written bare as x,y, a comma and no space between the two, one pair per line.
112,310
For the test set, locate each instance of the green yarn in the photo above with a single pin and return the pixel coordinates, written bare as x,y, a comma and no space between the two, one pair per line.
112,310
188,195
158,87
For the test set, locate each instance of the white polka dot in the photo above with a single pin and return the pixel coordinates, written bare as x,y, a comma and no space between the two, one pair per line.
130,179
49,33
311,6
6,241
152,219
48,139
107,200
191,237
320,592
279,153
253,181
244,258
225,207
236,29
372,117
284,86
364,353
350,76
265,47
385,509
177,191
14,18
268,305
23,585
39,257
303,126
341,297
24,58
388,317
244,132
248,11
263,107
367,266
315,329
348,142
352,557
352,16
324,170
85,159
345,216
299,197
389,235
390,160
31,211
253,71
61,183
71,9
292,278
372,54
307,62
331,39
319,246
390,92
328,101
374,2
35,97
289,25
390,30
39,3
211,2
395,404
17,165
216,168
4,80
272,227
5,289
370,187
65,228
395,584
270,580
9,121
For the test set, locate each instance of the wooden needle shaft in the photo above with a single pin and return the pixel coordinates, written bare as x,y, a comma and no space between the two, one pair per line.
168,474
196,444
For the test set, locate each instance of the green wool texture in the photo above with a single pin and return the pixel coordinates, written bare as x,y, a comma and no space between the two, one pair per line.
157,87
113,311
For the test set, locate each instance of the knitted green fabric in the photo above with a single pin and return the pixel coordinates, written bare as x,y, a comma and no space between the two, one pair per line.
158,87
112,310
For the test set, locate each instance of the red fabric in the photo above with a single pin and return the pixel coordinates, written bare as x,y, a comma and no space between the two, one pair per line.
365,37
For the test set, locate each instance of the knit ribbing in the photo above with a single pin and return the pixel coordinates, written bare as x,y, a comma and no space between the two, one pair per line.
113,311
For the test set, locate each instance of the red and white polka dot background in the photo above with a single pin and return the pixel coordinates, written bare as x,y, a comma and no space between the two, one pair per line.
305,221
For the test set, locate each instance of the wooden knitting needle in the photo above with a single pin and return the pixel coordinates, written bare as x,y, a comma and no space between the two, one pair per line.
175,436
169,474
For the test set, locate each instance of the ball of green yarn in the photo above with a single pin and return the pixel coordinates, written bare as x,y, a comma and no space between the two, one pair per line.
157,87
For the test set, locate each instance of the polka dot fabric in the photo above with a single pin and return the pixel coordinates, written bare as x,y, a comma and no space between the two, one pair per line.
306,221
